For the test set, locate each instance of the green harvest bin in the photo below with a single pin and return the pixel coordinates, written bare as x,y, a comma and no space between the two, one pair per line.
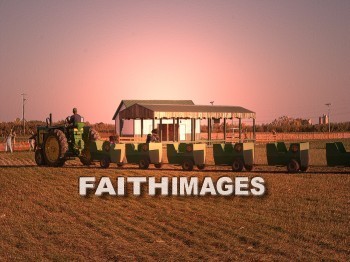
187,155
107,153
296,158
336,154
144,154
237,155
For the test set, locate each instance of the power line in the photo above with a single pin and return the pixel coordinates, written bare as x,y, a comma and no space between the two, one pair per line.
24,99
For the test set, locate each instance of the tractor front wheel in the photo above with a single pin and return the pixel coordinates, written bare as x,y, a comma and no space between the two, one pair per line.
85,157
61,163
39,157
55,146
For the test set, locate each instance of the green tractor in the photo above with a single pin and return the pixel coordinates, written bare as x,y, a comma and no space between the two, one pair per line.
57,144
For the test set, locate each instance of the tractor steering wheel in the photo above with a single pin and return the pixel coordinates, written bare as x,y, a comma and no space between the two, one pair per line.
66,121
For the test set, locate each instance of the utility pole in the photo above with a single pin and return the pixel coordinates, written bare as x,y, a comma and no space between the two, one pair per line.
23,112
329,119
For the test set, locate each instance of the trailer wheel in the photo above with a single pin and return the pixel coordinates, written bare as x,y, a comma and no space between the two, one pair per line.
104,163
39,157
304,168
237,165
293,166
201,167
159,165
248,167
187,165
144,163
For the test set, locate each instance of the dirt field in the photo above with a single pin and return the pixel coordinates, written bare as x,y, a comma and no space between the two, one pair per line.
302,216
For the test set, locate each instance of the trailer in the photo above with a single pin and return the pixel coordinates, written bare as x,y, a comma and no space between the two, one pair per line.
144,154
337,155
296,158
236,155
106,153
187,155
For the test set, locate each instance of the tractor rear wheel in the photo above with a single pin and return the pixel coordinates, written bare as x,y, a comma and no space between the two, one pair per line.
93,135
293,166
237,165
55,147
61,163
39,157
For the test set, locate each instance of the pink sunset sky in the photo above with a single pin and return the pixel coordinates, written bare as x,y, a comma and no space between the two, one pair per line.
273,57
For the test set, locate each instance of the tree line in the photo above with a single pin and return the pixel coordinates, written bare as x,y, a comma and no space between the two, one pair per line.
284,124
30,126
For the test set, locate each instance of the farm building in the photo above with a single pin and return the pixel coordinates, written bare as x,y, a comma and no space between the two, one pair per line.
176,120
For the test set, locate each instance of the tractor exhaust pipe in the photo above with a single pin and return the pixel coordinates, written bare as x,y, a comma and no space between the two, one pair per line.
49,120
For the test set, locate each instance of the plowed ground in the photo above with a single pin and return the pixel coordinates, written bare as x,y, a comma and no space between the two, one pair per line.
43,217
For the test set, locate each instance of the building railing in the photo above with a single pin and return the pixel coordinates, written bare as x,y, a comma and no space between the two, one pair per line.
260,137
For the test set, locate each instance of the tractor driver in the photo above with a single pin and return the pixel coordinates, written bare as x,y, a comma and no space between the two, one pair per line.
75,118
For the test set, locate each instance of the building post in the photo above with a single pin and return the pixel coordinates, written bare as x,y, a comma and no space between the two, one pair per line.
178,129
167,138
174,133
240,129
141,128
194,129
120,126
209,130
23,119
254,132
160,129
225,129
